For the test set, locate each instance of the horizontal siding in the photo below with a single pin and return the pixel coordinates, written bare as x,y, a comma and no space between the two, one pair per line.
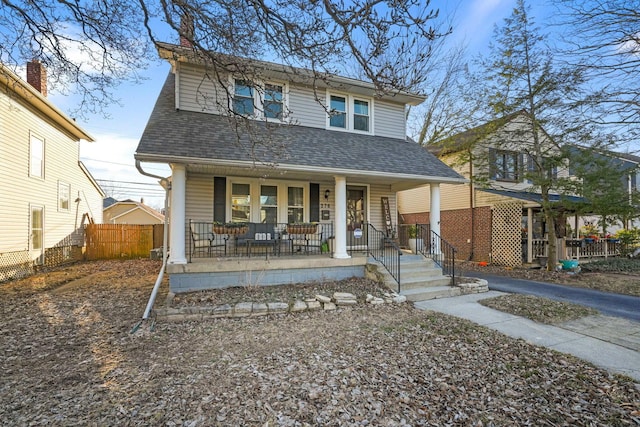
389,119
418,200
305,109
199,198
198,93
376,215
61,164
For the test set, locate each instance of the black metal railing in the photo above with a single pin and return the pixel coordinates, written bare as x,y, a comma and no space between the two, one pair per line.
435,247
207,239
384,250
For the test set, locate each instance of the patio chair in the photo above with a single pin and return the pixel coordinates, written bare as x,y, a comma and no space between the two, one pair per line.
204,239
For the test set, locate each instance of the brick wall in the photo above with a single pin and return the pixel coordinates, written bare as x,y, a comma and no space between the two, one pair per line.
456,228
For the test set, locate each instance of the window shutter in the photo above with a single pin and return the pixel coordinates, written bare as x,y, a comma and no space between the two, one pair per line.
219,198
492,163
314,202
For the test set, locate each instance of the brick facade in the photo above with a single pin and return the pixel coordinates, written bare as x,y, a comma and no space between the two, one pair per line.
457,227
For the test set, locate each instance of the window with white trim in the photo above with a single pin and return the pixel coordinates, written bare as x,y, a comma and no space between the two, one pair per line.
243,98
295,205
260,100
349,112
273,103
269,204
64,191
240,202
36,157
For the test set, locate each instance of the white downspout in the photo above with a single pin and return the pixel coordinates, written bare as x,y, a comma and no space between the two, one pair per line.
164,182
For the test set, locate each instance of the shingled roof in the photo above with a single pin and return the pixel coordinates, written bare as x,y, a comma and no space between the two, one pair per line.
184,136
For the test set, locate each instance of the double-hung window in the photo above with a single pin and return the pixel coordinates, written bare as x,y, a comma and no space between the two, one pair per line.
349,112
243,100
273,103
240,202
295,205
269,204
505,165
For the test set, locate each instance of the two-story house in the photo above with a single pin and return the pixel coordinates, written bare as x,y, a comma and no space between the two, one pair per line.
270,146
497,216
47,192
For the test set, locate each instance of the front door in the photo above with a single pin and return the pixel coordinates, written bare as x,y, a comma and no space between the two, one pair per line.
356,217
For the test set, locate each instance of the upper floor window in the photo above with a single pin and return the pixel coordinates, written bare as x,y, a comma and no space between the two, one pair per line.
361,115
259,100
338,112
505,165
350,113
243,98
64,191
36,157
273,101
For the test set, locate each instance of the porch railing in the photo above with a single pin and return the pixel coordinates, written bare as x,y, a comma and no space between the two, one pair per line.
577,248
384,250
207,239
432,245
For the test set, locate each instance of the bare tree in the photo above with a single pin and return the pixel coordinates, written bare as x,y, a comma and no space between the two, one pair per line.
91,47
603,38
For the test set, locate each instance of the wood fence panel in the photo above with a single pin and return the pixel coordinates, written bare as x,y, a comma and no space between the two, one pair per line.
109,241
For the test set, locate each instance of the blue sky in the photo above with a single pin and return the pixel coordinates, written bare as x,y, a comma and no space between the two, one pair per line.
110,158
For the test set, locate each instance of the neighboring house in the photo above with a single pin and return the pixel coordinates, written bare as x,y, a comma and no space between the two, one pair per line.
500,220
47,193
291,162
130,212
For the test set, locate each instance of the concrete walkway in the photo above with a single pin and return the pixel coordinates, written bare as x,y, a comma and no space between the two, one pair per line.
610,343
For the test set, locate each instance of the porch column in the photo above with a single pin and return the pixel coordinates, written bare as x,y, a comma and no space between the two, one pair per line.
434,216
177,215
341,218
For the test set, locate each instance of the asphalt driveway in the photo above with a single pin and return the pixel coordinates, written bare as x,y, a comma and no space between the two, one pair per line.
617,305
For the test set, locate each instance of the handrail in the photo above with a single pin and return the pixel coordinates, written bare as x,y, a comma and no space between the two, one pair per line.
442,252
384,250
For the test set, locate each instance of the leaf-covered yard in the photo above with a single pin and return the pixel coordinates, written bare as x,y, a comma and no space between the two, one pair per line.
68,358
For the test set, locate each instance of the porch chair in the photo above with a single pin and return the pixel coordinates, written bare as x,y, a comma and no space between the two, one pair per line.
300,242
204,239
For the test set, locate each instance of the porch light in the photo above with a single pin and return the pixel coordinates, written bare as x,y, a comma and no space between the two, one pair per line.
326,194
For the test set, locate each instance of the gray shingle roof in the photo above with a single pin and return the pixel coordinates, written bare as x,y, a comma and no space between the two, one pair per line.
185,134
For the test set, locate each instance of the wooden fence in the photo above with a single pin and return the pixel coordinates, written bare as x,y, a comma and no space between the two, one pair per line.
108,241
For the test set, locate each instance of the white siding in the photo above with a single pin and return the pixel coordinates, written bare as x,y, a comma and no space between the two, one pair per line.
305,109
196,92
376,216
19,191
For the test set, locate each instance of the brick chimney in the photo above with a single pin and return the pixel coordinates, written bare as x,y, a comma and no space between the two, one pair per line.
37,76
187,30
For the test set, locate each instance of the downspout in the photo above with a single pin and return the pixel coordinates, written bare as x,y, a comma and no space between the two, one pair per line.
164,182
471,206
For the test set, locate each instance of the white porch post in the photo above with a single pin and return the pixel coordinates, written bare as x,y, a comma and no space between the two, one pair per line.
434,215
177,215
341,218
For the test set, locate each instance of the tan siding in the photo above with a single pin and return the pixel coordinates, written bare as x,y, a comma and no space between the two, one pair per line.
199,198
389,119
21,191
197,93
137,216
376,192
305,109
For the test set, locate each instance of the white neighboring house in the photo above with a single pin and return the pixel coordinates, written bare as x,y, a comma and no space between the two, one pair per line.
48,194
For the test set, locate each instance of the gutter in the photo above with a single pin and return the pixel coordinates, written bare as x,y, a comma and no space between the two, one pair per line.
164,182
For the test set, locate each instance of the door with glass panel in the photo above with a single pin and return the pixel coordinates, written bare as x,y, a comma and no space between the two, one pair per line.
356,217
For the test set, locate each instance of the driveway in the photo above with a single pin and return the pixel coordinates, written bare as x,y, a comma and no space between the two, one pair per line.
624,306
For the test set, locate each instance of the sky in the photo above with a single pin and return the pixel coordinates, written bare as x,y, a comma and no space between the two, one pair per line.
110,159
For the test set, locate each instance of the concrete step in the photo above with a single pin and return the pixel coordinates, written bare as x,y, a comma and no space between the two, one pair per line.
424,294
424,282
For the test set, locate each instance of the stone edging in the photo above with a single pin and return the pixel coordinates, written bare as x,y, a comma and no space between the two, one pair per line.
254,309
477,286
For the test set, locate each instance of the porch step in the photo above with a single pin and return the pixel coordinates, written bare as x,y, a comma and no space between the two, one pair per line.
420,279
424,294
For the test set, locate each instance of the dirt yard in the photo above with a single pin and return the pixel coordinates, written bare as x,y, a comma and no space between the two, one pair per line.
69,358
